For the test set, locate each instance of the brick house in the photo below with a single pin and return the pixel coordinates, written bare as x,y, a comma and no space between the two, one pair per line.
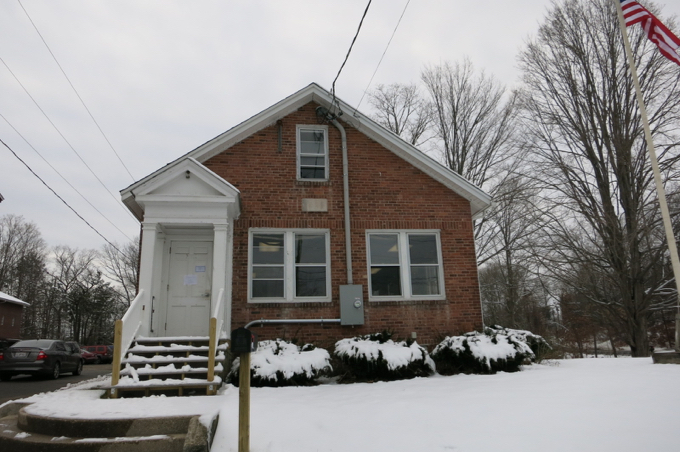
11,310
257,218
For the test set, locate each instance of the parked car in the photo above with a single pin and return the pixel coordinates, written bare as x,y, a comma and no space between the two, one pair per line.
89,358
104,352
46,357
6,342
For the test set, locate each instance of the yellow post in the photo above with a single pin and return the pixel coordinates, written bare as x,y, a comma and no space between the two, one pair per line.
212,347
117,346
244,404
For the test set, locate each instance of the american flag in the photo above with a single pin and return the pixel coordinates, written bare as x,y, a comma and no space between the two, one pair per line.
657,32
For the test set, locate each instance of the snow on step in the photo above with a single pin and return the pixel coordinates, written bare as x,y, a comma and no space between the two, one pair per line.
127,382
167,369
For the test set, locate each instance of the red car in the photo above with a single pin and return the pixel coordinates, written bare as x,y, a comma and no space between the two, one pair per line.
103,352
89,358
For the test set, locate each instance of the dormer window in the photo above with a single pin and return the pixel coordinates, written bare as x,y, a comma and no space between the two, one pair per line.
312,153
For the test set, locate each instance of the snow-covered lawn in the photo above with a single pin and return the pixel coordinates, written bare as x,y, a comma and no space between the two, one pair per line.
601,405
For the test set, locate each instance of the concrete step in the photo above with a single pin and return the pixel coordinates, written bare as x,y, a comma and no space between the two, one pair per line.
91,428
22,431
14,439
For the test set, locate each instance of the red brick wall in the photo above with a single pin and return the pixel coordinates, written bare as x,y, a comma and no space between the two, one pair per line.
385,193
10,312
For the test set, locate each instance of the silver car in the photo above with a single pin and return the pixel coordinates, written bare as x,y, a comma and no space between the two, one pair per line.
46,357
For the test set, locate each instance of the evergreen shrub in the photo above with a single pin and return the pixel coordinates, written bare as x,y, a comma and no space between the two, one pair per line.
281,363
376,357
496,349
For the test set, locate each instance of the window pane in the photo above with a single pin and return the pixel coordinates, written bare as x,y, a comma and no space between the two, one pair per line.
267,272
310,281
423,249
267,288
425,280
384,249
312,173
312,147
311,135
313,161
385,281
268,248
310,249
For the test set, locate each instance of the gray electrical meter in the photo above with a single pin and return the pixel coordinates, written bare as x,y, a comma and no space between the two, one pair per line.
351,305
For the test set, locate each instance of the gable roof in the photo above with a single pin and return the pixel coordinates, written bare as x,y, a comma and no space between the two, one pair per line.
479,200
10,299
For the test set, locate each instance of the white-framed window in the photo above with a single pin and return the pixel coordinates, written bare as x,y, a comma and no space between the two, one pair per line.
289,265
404,265
312,152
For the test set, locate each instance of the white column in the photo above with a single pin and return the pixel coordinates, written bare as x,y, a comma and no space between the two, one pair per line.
146,272
219,271
230,270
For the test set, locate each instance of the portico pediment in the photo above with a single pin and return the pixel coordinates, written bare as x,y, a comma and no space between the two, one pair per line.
184,192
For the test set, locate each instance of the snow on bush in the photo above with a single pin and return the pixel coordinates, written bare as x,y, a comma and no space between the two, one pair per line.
281,363
538,345
496,349
377,357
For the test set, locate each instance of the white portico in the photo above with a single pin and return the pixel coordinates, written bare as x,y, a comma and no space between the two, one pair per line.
187,214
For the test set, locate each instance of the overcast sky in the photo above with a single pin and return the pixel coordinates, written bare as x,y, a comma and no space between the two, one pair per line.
161,77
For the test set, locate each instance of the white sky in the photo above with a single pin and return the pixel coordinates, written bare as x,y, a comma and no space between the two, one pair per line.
162,77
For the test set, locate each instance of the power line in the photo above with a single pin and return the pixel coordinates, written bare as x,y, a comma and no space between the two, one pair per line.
57,195
76,91
349,51
60,175
64,138
383,56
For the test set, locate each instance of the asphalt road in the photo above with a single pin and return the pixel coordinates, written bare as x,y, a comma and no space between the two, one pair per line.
22,386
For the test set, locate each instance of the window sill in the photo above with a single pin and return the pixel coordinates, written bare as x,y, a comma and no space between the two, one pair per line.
312,182
409,302
280,302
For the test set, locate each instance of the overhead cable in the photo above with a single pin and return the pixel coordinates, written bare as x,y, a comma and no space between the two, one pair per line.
76,91
383,56
349,51
63,178
64,138
57,195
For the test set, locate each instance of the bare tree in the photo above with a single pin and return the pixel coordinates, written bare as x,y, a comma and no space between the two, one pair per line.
507,281
121,265
19,240
587,140
402,110
472,120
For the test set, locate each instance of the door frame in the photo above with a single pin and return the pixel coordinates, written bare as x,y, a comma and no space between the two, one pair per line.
161,312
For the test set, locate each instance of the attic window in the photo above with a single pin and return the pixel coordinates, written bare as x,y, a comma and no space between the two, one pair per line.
312,153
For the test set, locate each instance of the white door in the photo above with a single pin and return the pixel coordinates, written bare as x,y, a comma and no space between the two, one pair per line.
189,284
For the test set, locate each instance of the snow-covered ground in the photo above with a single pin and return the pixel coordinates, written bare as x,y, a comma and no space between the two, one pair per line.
583,405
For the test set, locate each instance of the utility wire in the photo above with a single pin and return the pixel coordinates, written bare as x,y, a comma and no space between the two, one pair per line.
63,178
349,51
76,91
62,199
64,138
383,56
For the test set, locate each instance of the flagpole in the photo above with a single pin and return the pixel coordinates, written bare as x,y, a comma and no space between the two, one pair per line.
661,193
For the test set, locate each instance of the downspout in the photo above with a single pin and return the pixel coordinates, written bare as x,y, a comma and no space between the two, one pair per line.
321,111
